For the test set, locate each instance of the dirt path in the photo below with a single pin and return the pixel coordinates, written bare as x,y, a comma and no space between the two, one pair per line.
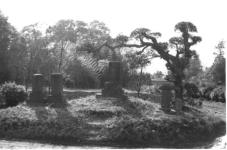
15,145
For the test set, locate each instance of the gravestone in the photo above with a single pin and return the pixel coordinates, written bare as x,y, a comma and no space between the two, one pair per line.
166,96
37,94
56,86
112,88
114,72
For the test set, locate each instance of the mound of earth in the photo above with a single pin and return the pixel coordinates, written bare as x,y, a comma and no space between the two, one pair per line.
109,121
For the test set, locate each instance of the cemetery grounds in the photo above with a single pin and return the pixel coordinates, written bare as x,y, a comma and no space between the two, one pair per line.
132,122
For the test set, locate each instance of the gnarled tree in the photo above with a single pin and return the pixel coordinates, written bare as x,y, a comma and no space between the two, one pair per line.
144,39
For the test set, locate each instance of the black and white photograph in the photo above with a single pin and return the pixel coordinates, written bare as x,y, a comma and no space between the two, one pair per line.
113,74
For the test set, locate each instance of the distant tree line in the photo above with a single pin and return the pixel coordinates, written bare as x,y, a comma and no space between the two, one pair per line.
59,49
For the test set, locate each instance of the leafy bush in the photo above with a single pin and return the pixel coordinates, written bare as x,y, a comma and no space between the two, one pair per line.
218,94
40,123
206,92
165,132
13,94
40,129
191,90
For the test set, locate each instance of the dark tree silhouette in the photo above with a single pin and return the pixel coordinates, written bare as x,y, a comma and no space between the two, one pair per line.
218,68
6,32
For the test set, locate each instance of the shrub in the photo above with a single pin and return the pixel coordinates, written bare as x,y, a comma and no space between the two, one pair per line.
13,94
40,129
166,132
206,92
218,94
69,83
191,90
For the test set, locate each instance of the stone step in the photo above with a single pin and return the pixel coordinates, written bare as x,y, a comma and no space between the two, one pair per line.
97,123
97,138
94,135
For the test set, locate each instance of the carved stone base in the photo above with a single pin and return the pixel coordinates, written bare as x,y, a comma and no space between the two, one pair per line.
37,98
56,100
112,90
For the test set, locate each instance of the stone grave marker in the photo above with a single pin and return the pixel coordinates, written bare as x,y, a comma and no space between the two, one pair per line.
37,94
56,86
166,96
115,72
112,88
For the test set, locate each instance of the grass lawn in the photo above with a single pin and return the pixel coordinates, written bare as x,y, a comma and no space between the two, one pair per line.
215,108
110,121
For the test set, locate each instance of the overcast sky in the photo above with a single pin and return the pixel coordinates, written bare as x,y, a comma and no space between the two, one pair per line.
123,16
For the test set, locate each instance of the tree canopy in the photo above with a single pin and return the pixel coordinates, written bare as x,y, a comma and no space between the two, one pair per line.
6,33
218,67
63,44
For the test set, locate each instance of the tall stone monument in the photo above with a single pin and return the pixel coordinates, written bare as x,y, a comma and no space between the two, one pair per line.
56,86
37,94
166,96
112,87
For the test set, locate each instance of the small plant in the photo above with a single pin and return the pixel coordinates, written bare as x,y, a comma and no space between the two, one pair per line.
13,94
165,132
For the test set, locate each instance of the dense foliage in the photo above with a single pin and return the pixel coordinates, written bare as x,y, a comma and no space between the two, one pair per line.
164,132
6,32
218,68
13,94
194,69
138,62
59,49
191,90
20,122
218,94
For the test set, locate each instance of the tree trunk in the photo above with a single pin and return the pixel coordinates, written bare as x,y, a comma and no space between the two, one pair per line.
60,63
139,82
179,90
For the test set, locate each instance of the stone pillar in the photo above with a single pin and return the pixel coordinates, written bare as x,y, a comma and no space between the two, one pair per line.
112,88
166,96
56,84
37,94
114,72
